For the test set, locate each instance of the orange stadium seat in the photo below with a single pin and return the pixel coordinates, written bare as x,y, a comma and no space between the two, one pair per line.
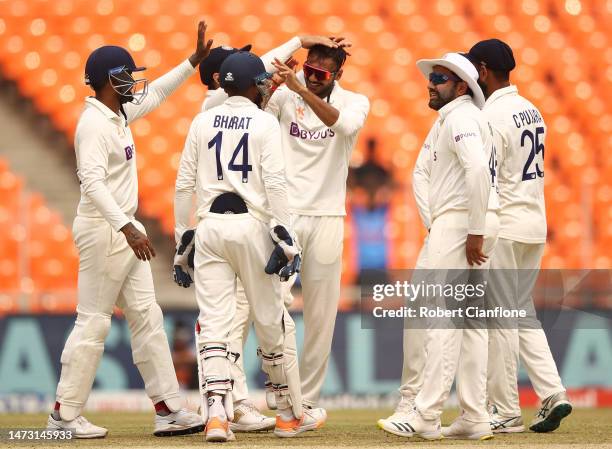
44,45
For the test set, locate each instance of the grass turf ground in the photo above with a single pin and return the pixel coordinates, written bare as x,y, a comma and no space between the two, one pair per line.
584,428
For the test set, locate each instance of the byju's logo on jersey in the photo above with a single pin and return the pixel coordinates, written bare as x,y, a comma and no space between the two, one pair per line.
129,152
295,131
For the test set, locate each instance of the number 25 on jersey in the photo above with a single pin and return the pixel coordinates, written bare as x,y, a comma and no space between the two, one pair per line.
535,148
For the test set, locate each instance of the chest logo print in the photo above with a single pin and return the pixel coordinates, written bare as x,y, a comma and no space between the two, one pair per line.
129,152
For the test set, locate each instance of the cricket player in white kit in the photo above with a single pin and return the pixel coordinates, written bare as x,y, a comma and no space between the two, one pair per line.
233,161
320,122
246,416
462,236
520,247
113,248
414,336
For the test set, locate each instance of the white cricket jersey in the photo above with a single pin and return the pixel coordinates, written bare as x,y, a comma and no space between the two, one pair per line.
421,173
462,163
234,147
520,165
317,156
217,96
106,155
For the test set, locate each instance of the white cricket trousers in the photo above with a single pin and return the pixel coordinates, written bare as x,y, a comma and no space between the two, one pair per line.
109,275
451,351
321,239
505,345
414,341
228,247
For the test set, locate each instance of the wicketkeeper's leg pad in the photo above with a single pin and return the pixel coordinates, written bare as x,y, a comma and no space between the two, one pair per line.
286,384
215,363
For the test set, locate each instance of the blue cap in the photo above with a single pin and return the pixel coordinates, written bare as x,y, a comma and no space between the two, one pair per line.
212,63
242,70
104,59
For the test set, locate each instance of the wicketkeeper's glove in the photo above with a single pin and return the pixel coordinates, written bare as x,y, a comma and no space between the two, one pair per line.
285,259
183,259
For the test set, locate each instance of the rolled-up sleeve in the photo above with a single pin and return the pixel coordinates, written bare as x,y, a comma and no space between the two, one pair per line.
352,116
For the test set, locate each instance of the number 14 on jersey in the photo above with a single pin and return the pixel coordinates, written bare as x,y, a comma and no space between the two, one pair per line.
242,147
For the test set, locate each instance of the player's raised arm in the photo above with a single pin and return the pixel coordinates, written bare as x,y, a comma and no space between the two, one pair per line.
320,75
163,86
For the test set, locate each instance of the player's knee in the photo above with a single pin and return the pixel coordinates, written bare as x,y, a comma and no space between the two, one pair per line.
96,327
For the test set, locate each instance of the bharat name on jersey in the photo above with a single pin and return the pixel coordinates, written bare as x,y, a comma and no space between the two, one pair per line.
520,165
230,148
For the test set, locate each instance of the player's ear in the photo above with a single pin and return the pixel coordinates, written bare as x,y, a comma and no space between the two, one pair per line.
462,88
215,78
338,74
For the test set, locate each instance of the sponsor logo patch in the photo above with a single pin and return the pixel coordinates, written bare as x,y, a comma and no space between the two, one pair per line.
462,135
295,131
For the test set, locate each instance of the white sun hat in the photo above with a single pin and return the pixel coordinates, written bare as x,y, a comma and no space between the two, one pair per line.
460,66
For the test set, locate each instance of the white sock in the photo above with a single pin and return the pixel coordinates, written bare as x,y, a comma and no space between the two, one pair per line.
215,406
286,414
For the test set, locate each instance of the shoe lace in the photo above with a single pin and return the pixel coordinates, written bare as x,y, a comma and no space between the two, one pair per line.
252,408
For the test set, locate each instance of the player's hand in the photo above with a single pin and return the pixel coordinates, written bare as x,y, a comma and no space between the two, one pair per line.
138,241
202,46
287,74
183,259
285,259
473,250
309,41
342,43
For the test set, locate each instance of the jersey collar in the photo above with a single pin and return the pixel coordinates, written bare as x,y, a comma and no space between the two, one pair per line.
457,102
239,101
509,90
108,113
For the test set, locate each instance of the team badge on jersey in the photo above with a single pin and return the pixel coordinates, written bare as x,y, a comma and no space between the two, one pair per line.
129,152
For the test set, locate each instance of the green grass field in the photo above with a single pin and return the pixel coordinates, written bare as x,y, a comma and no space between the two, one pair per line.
584,428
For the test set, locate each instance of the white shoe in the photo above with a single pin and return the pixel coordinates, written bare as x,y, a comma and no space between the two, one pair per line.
554,409
183,422
247,418
413,424
313,418
504,424
270,396
465,430
80,426
404,407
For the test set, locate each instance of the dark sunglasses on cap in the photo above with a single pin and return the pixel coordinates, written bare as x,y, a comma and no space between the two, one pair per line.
320,74
441,78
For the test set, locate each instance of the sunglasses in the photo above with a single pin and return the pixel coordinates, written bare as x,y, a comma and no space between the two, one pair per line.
320,74
441,78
